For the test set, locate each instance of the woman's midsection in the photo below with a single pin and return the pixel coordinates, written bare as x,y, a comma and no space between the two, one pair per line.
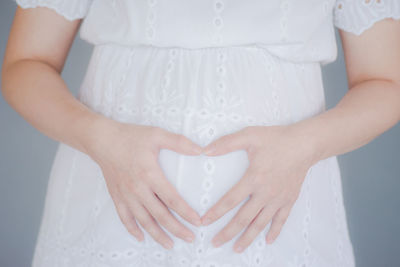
202,94
170,87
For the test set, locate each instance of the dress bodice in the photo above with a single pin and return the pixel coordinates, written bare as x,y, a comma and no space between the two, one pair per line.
291,29
301,31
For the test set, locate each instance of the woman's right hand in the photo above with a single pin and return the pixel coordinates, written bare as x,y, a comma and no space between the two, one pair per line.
128,157
127,154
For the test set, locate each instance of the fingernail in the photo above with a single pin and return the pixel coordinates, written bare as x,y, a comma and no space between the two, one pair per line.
209,150
189,238
216,243
169,245
238,249
195,218
197,149
206,221
197,222
140,238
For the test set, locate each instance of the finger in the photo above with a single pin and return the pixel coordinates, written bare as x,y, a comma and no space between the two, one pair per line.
179,143
231,199
227,143
163,216
129,221
256,226
240,221
172,199
150,225
277,223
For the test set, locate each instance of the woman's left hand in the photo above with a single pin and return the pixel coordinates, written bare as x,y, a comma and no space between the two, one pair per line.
279,160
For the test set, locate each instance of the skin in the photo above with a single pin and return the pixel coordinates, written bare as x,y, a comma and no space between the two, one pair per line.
38,45
281,155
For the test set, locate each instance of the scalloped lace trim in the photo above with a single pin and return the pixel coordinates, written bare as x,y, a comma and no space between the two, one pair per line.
356,16
69,9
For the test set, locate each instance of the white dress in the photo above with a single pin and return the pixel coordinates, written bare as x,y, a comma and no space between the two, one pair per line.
203,69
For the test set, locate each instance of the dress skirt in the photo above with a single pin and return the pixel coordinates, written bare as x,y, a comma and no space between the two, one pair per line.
203,94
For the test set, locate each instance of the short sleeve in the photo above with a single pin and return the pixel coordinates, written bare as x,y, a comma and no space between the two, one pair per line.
358,15
70,9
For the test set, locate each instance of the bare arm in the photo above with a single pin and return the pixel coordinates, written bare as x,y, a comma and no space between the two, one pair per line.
281,155
372,104
38,45
35,55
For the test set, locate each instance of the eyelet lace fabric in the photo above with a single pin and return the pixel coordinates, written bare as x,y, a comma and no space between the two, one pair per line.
70,9
203,69
356,16
193,96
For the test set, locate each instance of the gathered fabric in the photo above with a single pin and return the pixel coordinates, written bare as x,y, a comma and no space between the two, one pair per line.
202,69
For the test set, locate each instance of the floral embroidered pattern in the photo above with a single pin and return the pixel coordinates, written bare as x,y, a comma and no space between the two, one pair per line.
218,21
274,112
151,16
219,111
204,111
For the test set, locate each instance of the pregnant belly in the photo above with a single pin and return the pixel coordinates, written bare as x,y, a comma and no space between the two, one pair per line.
203,94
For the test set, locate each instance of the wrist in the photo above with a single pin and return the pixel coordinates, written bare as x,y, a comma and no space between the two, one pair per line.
100,130
308,140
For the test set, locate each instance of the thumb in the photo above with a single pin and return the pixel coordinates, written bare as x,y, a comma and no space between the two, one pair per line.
180,143
226,144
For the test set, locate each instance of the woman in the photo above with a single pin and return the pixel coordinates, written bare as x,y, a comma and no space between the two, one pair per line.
200,135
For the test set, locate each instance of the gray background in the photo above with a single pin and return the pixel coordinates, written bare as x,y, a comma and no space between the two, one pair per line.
370,174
